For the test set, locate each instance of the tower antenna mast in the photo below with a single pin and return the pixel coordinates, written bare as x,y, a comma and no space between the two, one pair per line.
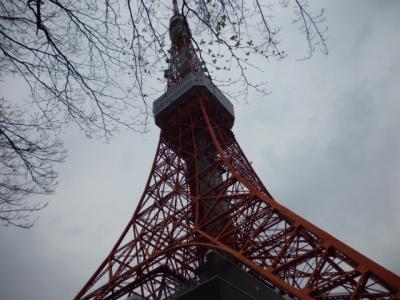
175,7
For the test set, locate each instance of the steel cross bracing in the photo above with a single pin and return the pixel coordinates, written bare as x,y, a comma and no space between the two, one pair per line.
202,193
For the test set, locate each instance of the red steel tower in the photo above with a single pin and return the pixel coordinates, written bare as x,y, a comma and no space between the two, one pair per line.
203,198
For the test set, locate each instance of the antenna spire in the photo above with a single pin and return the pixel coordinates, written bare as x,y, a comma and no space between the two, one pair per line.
175,7
184,58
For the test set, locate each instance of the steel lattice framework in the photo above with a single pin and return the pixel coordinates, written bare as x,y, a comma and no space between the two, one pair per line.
203,194
179,217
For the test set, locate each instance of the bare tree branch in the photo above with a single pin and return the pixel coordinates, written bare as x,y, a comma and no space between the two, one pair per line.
92,63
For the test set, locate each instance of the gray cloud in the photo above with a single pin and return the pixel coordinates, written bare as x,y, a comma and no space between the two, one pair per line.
325,143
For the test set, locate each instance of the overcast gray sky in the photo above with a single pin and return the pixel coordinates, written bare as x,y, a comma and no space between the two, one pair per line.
325,142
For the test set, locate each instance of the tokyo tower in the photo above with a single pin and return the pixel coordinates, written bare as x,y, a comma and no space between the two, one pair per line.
207,228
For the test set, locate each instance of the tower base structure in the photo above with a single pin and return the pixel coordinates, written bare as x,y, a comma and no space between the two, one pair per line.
222,279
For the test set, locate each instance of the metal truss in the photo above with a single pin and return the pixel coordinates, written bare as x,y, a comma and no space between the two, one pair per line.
202,194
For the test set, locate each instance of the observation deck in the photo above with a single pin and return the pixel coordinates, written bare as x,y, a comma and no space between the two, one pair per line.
192,85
